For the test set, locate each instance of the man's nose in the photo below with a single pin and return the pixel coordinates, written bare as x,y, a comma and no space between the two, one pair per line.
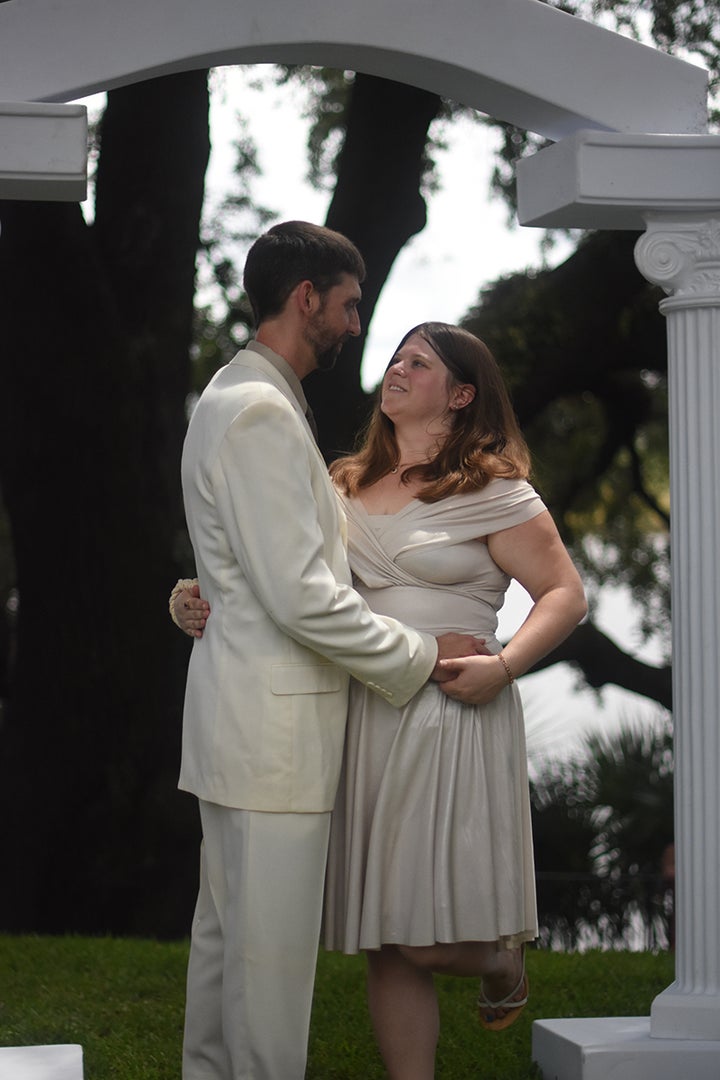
355,324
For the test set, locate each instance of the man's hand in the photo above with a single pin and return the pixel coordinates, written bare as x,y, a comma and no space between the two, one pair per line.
452,646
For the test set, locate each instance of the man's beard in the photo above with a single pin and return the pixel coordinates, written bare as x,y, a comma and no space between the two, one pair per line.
325,348
327,358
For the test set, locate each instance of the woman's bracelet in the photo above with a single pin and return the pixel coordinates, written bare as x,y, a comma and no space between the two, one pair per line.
508,672
182,585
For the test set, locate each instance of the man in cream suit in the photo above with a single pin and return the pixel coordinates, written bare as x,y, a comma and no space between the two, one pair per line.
267,685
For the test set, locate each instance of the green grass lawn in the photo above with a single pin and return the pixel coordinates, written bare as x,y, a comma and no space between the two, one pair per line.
122,1000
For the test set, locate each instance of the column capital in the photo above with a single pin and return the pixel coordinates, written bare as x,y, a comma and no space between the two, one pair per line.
681,254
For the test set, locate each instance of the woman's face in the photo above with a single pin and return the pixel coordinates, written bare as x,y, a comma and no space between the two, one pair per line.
416,387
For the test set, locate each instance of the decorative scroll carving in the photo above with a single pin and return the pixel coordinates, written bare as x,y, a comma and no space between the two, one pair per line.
682,256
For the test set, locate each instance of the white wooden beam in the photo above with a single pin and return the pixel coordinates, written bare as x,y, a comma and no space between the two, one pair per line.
43,151
518,60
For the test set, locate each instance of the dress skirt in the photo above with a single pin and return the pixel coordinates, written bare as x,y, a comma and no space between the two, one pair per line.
431,838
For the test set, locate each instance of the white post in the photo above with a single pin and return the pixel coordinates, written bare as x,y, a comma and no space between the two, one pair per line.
681,253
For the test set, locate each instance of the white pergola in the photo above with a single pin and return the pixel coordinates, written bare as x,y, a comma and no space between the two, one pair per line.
630,151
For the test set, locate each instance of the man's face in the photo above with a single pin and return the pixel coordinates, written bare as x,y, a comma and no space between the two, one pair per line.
334,321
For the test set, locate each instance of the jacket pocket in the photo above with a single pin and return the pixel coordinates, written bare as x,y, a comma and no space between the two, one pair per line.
306,679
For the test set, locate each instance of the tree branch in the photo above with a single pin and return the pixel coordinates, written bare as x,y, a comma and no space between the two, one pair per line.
602,661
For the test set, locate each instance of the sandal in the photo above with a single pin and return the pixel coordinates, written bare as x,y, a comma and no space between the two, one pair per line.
512,1001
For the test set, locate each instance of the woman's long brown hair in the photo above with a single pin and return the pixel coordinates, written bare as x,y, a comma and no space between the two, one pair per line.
484,441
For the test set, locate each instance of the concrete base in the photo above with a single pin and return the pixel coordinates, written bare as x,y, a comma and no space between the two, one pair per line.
619,1048
41,1062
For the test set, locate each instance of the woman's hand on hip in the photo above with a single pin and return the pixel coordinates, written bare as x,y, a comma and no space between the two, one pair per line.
474,680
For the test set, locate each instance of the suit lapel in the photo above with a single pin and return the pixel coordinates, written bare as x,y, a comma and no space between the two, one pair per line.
248,358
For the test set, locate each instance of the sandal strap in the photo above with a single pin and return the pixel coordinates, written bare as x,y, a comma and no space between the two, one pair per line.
507,1002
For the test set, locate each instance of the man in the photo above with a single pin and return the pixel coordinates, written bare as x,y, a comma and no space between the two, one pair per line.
267,685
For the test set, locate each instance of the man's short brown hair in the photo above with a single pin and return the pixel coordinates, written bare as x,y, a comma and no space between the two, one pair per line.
296,251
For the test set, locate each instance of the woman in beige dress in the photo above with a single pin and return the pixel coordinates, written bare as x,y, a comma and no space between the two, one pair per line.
430,867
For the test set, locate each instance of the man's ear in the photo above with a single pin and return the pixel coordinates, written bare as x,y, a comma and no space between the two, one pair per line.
306,297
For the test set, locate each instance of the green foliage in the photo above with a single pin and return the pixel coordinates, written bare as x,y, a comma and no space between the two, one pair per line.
563,838
583,350
640,561
629,785
602,822
122,1000
327,93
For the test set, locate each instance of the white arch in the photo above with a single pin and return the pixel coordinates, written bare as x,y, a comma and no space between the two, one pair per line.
518,60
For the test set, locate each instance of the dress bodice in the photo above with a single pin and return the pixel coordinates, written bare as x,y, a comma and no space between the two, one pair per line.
429,564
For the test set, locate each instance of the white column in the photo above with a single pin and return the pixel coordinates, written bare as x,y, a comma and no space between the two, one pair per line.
681,253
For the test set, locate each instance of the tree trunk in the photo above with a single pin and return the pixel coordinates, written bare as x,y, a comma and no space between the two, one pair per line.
92,423
379,205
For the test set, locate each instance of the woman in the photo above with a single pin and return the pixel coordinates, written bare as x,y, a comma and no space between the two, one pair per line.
430,866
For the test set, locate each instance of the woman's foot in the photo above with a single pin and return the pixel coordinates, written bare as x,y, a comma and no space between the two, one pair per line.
498,1013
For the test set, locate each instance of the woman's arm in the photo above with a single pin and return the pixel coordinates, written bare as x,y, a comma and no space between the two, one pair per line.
534,555
187,609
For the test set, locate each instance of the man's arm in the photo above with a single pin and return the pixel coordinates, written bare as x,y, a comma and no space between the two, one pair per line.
264,486
190,612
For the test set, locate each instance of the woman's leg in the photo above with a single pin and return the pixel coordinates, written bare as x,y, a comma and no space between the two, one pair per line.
404,1012
501,969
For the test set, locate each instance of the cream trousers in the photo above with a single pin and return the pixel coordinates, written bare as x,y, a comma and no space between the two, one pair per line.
254,944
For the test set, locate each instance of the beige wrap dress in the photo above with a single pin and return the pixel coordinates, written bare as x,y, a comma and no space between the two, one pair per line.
431,838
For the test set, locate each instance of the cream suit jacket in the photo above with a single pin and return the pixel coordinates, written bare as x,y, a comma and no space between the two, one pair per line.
266,696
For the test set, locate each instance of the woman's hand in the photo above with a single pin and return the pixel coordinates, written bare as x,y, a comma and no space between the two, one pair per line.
452,645
475,680
190,612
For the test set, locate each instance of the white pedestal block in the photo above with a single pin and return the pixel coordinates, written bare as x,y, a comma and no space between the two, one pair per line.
611,180
619,1048
41,1062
